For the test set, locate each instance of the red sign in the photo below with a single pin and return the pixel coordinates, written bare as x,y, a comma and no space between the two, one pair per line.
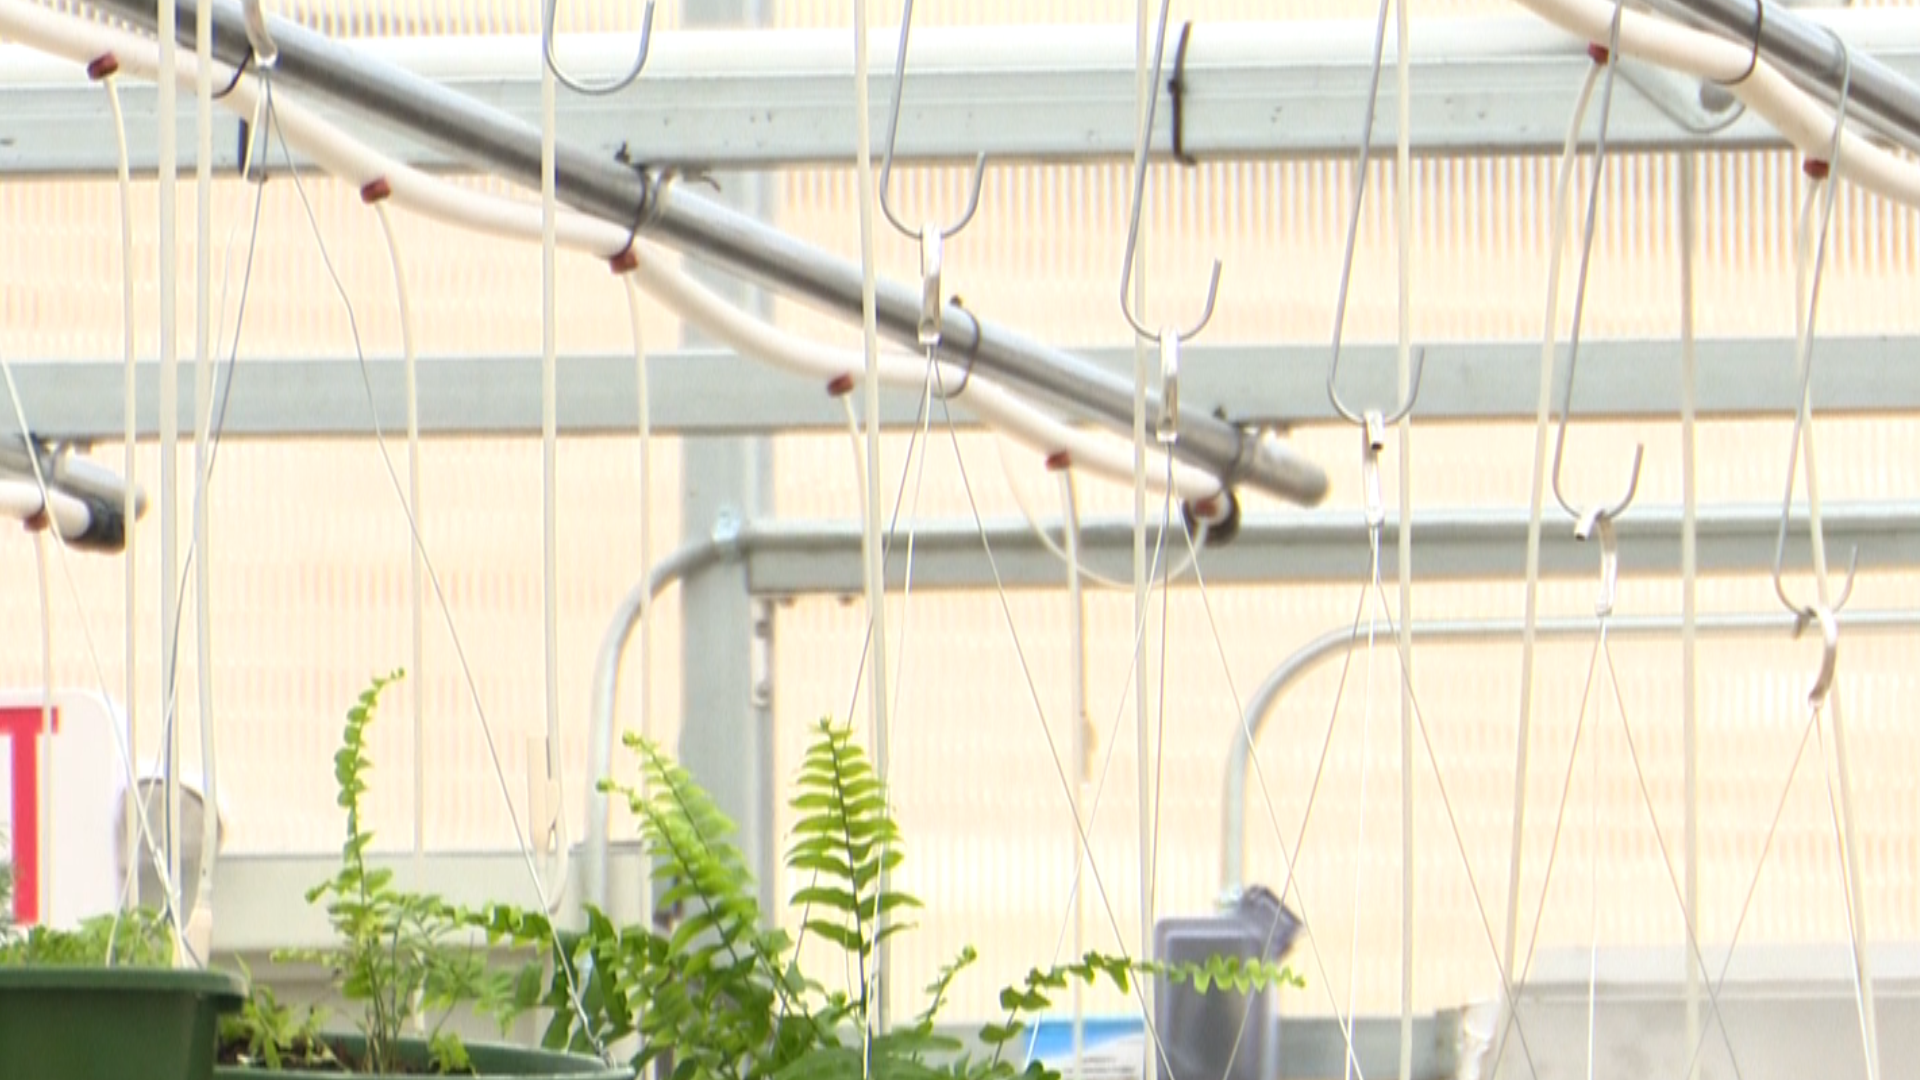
22,726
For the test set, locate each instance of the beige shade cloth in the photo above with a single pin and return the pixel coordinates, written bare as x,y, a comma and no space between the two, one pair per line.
310,566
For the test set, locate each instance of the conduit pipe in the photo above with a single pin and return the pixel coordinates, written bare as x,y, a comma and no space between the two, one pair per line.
644,202
1267,697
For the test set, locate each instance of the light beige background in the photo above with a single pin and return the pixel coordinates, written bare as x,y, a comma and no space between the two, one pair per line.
310,570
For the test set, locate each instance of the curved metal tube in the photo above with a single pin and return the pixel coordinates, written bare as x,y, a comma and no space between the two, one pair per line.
727,542
1240,753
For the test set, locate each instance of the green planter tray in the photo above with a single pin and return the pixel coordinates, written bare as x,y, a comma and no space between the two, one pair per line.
489,1059
75,1023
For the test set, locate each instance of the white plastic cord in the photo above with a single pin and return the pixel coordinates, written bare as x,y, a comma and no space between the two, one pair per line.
555,800
1689,579
1081,751
1809,266
1142,711
169,162
1802,120
1403,228
1562,209
133,818
204,363
43,812
646,536
416,577
875,982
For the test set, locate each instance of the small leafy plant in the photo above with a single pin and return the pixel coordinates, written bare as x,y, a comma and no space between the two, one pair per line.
721,996
267,1033
402,957
138,938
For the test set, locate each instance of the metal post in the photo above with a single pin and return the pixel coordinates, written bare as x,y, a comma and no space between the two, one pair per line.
726,733
485,138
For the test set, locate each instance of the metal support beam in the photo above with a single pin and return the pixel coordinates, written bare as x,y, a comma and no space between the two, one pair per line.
1233,804
797,558
711,392
749,100
487,139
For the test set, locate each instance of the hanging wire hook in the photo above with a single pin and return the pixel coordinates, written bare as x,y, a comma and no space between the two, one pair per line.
550,13
1168,338
1139,192
1820,172
1587,519
932,236
1363,417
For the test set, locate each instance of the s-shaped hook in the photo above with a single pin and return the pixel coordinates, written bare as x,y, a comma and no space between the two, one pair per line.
932,236
1168,338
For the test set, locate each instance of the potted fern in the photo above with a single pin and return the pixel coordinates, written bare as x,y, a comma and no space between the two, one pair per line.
721,995
100,1002
407,960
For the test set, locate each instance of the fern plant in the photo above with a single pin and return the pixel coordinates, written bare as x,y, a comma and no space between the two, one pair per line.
720,995
402,957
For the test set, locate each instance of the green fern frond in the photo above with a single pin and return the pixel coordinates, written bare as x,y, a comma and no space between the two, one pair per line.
845,842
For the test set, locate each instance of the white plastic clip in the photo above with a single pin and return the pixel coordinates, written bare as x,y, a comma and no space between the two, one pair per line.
1829,653
1598,521
1167,428
1373,436
931,243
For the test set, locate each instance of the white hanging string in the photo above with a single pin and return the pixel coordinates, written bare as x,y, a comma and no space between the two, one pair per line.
43,812
646,536
206,372
132,813
548,900
874,985
1562,211
1689,577
553,832
1809,268
1081,751
1403,227
1142,711
416,577
169,163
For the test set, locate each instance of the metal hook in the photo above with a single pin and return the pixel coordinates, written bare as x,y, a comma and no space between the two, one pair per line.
930,235
1802,416
1133,228
1609,512
1367,416
550,12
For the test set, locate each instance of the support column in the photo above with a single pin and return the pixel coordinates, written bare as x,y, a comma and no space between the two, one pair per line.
726,736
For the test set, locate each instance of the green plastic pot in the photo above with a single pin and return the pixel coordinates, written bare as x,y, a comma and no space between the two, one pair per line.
489,1059
72,1023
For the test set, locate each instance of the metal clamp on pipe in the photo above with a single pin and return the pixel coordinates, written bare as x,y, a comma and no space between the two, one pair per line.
85,504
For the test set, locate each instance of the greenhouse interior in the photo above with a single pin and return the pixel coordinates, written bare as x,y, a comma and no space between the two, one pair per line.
516,502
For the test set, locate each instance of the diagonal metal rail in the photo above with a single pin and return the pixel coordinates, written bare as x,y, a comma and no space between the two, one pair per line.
487,139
